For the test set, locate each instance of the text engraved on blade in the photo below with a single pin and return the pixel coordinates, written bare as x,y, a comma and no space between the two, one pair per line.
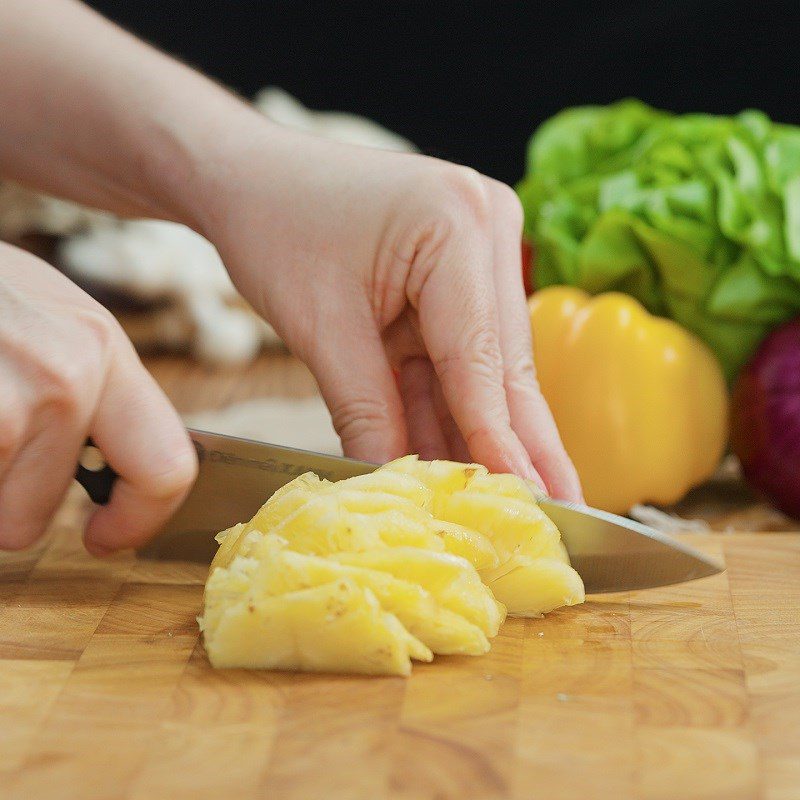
270,465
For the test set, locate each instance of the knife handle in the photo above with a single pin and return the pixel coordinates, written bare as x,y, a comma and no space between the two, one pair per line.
98,482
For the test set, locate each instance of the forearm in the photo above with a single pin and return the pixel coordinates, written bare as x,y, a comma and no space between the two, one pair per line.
92,114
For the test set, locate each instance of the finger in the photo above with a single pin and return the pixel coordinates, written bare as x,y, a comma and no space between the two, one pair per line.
14,419
425,435
404,343
456,446
144,440
458,322
359,388
530,416
402,340
36,481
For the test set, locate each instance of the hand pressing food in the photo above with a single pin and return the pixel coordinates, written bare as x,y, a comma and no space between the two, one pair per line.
363,575
369,265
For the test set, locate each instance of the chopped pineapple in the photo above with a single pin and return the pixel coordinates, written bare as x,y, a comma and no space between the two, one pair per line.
503,508
285,501
229,545
335,627
513,526
467,543
284,571
441,477
453,581
534,586
368,573
397,484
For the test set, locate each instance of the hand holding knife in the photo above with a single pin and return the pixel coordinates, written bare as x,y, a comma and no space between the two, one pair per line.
611,553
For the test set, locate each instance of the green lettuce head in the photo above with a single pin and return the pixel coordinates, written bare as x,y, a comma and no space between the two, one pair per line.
697,216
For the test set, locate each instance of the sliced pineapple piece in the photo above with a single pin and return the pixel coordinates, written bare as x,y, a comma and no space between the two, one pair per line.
501,486
503,508
441,477
225,587
390,482
286,501
328,523
467,543
334,627
560,553
513,526
367,573
451,580
284,571
534,586
229,542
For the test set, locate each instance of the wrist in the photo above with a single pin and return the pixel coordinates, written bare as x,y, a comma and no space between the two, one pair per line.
194,154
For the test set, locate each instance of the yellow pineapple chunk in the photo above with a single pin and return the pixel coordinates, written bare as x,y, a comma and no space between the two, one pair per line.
534,586
285,501
501,486
467,543
390,482
229,542
513,526
328,523
441,477
368,573
334,627
504,510
439,628
453,581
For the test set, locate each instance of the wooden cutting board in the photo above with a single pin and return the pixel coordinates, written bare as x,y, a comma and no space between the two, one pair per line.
673,694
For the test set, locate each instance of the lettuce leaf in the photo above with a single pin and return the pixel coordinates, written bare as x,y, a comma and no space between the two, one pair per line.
697,216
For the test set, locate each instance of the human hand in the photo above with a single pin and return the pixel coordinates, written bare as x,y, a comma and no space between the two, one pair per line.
68,372
366,262
397,279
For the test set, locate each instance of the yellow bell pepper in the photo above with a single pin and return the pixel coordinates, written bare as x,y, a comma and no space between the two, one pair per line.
640,402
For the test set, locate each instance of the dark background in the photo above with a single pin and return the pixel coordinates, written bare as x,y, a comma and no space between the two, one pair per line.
469,81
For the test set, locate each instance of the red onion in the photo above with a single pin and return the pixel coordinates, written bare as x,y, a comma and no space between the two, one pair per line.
765,418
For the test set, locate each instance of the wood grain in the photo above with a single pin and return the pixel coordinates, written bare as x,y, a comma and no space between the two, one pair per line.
689,692
682,693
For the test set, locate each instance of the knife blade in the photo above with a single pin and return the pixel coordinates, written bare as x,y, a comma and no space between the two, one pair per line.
236,476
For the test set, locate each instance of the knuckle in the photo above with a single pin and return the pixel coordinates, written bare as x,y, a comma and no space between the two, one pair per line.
480,355
520,373
508,204
457,209
504,195
468,194
356,417
69,376
65,388
101,327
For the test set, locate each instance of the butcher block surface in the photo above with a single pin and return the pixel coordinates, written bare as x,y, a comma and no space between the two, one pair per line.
673,694
684,692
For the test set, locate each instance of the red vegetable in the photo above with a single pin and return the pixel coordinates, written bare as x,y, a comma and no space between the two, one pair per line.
527,266
765,418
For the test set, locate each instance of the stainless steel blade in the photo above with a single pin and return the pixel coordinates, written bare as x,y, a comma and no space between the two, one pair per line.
236,476
614,554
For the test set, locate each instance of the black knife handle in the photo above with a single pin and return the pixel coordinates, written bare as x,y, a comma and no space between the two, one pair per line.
97,482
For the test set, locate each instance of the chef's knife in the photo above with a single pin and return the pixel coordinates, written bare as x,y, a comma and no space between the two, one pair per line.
236,476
